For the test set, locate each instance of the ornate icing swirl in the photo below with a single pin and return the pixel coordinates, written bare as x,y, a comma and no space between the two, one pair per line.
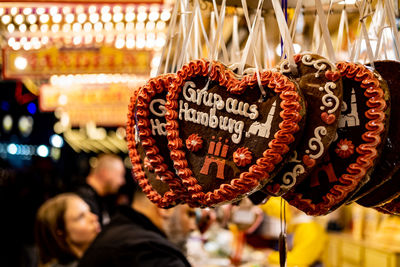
247,181
242,156
329,100
315,143
367,150
289,178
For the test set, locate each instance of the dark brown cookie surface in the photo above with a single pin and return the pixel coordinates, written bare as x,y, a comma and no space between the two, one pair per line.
321,85
379,189
225,138
353,154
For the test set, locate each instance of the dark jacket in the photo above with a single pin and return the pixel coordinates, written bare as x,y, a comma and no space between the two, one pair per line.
131,239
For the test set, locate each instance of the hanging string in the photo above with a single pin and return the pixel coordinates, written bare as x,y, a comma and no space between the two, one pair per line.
170,36
364,12
292,28
250,43
284,31
392,19
282,235
325,30
235,48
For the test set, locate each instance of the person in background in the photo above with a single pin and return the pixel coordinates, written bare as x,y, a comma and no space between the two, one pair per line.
137,236
64,229
104,179
309,237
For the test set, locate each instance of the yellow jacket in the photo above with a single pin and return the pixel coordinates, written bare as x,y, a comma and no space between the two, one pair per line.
309,240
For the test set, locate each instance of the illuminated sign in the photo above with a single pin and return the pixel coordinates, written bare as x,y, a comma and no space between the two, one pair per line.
53,61
104,104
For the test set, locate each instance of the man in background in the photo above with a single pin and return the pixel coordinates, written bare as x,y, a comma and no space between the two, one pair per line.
104,179
137,236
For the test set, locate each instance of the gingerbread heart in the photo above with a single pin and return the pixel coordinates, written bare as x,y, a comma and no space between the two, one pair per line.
322,90
225,136
351,158
147,143
384,182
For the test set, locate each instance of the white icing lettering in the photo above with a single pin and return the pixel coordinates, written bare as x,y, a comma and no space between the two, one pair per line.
238,132
213,120
203,97
161,107
254,112
192,96
157,128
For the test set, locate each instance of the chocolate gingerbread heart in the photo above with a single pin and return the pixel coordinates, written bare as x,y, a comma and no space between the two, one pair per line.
359,140
152,166
384,184
321,85
225,136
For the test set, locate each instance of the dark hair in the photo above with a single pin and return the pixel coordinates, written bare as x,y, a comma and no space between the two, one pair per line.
50,230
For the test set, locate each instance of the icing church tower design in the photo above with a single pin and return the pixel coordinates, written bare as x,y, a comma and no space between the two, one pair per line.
216,149
351,119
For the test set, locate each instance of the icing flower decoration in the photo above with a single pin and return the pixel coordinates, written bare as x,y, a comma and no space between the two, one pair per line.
147,164
242,156
194,142
345,148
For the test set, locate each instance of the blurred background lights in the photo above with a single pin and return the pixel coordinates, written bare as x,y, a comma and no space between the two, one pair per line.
20,63
42,151
7,123
12,149
56,141
32,108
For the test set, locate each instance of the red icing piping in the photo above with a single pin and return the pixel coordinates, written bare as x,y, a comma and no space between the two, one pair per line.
247,181
143,96
368,153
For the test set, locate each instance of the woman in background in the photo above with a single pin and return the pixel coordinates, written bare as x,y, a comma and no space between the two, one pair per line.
65,227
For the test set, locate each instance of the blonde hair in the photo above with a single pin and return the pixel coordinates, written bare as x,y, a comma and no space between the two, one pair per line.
50,233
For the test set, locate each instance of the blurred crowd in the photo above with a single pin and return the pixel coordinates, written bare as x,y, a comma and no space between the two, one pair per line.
102,223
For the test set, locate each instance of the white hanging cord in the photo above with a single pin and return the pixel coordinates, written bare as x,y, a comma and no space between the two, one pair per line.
364,13
218,40
316,39
170,36
266,54
205,36
235,48
249,43
325,30
292,29
392,20
343,26
186,51
287,40
378,24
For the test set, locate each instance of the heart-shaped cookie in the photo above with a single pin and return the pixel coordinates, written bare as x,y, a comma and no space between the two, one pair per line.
321,85
147,143
352,156
225,137
385,180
